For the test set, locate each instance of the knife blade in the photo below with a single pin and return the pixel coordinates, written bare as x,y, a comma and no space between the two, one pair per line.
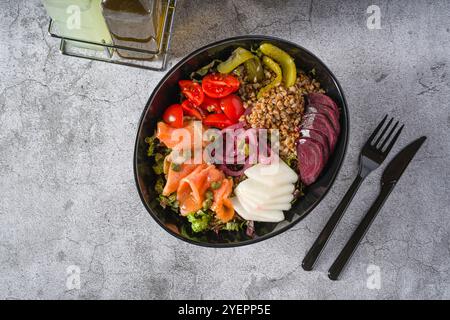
397,166
391,175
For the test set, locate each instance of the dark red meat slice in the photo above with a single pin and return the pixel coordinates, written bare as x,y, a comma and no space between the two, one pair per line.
320,138
328,111
310,160
320,98
320,122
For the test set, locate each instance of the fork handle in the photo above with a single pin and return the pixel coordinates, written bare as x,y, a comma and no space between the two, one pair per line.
316,249
347,252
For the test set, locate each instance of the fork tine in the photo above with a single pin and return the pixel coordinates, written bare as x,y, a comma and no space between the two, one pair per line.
374,133
389,147
389,135
383,132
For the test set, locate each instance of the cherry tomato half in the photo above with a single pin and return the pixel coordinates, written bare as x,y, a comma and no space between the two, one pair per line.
211,105
232,106
192,90
191,110
173,116
217,120
217,85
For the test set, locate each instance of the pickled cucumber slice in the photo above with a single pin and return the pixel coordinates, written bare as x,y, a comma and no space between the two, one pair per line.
284,59
238,57
255,72
272,65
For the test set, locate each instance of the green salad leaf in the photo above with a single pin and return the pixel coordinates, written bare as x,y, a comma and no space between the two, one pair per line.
232,226
199,220
152,143
169,202
203,71
159,185
158,167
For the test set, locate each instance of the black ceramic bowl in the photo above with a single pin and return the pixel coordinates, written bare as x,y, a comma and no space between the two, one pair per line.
167,93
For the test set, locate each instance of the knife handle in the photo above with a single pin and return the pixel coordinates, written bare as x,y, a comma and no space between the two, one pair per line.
324,236
346,253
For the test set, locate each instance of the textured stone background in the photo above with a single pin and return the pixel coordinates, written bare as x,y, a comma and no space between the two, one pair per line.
67,129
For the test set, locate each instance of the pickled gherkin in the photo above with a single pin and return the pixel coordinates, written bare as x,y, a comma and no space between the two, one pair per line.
273,66
238,57
254,69
284,59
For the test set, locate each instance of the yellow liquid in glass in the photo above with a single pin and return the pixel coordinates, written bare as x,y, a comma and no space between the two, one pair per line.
135,24
81,20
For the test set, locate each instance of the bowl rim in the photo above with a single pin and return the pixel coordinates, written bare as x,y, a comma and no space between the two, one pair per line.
172,70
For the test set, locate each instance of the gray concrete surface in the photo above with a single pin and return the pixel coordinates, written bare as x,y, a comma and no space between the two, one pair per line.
67,129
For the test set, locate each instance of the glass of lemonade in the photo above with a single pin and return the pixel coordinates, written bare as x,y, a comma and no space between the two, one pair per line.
79,19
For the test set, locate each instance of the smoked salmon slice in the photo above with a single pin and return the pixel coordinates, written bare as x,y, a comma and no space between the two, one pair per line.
221,204
186,138
190,192
191,181
174,177
192,189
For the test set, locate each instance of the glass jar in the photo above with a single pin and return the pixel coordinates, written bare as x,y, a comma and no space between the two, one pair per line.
81,20
136,24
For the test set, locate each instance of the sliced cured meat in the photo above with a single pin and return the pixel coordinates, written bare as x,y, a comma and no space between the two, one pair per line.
222,206
327,111
186,138
319,137
320,122
174,177
192,189
190,193
320,98
310,160
225,212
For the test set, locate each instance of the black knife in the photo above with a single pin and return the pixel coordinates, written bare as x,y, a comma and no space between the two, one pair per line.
391,175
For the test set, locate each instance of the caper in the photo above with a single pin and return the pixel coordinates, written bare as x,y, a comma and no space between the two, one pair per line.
209,194
216,185
176,167
207,204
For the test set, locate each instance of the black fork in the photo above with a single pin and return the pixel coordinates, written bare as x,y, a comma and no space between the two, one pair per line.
372,155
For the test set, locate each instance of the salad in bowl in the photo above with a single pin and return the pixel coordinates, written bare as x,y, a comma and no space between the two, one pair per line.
239,143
